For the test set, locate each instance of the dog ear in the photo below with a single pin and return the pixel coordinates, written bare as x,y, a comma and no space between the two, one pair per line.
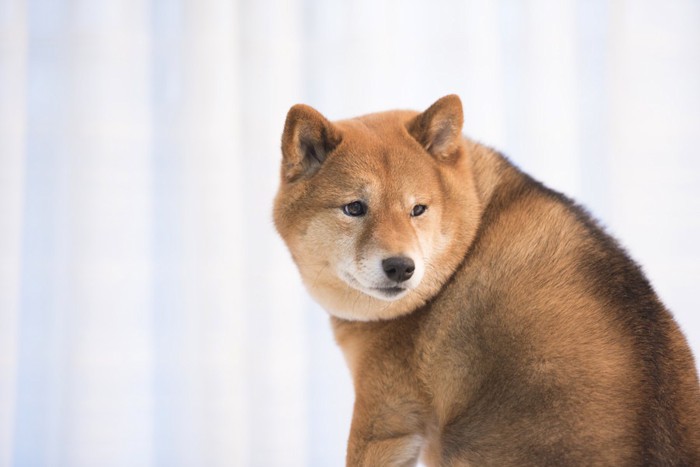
307,140
439,129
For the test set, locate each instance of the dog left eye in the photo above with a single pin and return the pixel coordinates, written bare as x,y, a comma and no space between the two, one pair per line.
355,209
418,210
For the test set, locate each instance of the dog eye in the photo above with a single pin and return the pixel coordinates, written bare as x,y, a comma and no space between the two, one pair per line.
355,209
418,210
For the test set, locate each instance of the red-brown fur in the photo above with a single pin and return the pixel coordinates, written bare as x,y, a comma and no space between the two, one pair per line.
531,337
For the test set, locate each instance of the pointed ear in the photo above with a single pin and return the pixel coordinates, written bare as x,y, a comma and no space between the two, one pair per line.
439,129
307,140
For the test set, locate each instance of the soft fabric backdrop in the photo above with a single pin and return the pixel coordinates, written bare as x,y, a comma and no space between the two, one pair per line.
149,315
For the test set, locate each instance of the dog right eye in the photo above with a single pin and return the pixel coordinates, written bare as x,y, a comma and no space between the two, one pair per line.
355,209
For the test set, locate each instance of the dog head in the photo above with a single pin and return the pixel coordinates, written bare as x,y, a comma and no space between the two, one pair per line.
377,211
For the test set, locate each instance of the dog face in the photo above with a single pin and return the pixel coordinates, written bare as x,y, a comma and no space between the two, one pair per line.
371,208
376,218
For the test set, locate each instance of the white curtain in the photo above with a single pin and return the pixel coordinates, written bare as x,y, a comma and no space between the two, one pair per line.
149,315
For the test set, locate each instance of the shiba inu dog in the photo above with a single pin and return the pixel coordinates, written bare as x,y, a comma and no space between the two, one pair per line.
486,319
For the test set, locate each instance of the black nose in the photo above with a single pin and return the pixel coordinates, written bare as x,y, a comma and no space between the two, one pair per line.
399,268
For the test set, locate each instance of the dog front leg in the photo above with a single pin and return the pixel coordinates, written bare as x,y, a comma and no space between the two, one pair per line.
381,435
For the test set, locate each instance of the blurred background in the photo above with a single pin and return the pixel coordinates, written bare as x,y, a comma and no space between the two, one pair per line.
150,315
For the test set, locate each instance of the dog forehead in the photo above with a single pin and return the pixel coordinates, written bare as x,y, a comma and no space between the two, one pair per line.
381,164
376,155
384,129
382,148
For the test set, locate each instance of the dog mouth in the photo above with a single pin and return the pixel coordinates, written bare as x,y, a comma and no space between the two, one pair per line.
389,293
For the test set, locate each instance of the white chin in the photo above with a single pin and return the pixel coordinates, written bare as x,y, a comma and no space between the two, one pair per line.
388,294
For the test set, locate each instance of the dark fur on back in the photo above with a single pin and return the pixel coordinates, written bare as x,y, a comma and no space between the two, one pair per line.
666,429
